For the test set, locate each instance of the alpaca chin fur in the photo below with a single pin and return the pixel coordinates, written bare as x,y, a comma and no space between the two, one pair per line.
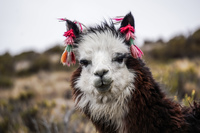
113,110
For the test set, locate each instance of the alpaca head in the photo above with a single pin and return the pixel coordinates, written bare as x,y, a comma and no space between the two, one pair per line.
103,83
102,53
102,56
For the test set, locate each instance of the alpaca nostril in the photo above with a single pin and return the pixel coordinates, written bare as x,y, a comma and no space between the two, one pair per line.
101,73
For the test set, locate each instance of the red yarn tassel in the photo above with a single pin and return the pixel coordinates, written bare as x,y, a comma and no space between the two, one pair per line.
73,59
69,33
127,28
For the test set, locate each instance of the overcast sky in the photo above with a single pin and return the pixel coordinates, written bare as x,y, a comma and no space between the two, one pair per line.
33,24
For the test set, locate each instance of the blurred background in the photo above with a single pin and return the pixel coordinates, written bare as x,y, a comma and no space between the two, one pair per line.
35,94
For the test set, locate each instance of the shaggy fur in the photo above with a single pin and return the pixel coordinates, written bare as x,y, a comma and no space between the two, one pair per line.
135,102
150,110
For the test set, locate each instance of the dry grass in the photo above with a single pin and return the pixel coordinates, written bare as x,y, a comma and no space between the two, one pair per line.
43,97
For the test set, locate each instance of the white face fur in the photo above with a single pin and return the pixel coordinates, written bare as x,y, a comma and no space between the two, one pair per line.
102,53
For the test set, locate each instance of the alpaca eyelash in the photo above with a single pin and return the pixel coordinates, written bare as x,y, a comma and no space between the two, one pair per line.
119,58
84,62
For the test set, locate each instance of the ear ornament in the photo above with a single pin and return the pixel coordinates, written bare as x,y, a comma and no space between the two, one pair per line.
130,37
68,56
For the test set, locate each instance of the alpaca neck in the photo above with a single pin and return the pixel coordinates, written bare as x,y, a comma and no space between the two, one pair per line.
149,109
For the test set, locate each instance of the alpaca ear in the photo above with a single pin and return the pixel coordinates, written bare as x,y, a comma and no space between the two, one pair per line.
128,19
76,26
128,29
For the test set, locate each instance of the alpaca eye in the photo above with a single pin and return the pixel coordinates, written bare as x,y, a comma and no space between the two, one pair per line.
119,59
84,62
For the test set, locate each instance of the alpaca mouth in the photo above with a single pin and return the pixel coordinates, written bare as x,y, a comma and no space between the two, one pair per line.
104,88
103,85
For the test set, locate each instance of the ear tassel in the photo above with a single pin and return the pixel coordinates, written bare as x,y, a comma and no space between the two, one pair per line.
135,51
129,36
68,56
69,41
73,59
139,51
69,33
64,57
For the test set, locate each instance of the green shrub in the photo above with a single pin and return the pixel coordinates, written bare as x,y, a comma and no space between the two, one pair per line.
29,55
4,125
5,82
6,65
40,63
196,37
178,47
187,100
55,50
29,116
26,96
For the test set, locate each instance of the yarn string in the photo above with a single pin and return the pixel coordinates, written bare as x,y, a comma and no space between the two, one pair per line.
117,19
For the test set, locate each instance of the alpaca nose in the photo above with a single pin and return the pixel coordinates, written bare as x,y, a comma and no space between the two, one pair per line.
101,73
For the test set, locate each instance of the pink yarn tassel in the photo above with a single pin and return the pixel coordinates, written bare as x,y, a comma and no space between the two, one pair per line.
118,19
80,25
62,19
136,52
140,51
69,41
69,37
130,35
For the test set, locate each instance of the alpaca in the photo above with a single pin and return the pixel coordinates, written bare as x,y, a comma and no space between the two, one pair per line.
113,87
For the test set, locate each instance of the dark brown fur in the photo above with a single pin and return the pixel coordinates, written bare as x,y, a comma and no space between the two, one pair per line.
149,109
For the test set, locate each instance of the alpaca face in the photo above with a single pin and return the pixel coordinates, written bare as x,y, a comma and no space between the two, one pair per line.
104,75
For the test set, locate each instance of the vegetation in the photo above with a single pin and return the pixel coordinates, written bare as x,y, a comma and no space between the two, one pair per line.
29,112
39,97
178,47
176,64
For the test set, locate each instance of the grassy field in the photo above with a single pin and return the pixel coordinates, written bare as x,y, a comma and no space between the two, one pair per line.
41,103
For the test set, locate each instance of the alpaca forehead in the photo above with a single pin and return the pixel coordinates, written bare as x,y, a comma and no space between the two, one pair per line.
104,43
